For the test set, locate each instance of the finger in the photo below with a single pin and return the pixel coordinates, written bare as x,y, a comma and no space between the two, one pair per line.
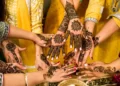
11,58
75,43
67,34
80,42
50,51
54,53
63,50
85,57
57,52
19,66
21,49
91,53
71,39
18,56
81,56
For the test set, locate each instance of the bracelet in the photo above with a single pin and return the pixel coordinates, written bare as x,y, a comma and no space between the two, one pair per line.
26,80
91,19
1,79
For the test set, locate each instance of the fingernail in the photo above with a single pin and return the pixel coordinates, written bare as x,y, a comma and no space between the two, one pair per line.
70,46
56,57
47,56
64,54
80,49
44,45
64,40
75,50
52,58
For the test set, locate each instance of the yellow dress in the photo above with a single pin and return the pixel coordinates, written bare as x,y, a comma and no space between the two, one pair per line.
109,49
26,14
54,18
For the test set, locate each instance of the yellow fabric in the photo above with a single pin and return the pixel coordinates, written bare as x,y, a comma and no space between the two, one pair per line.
19,15
36,15
54,18
95,9
109,49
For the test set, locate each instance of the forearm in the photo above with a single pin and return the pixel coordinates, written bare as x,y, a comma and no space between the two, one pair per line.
109,28
90,25
115,64
19,79
19,33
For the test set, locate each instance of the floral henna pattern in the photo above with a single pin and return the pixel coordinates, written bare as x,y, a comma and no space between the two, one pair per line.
8,68
70,10
58,38
11,47
76,26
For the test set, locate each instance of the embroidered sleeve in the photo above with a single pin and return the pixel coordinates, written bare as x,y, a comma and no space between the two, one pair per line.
36,16
94,10
4,30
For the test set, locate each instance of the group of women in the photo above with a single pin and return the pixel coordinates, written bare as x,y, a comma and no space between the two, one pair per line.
77,25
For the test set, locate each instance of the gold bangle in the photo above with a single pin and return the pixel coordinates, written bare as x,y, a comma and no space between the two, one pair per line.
26,80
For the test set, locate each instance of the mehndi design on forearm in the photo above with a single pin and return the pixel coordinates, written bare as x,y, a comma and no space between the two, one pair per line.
8,68
43,58
64,25
70,10
11,47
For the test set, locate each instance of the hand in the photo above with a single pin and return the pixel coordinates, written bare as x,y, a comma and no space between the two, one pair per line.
43,39
56,74
41,60
75,31
57,43
87,47
11,52
11,67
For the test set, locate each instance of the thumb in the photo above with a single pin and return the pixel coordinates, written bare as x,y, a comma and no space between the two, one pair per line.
19,66
21,49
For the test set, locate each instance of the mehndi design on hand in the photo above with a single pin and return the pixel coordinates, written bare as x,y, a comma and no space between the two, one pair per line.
11,47
51,71
44,59
8,68
48,40
95,40
58,39
107,70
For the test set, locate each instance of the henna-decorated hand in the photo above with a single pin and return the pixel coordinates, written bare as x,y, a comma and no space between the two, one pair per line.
10,67
42,62
75,31
11,52
56,74
58,40
57,43
87,47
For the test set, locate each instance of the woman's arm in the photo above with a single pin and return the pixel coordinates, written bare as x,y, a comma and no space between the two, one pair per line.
109,28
